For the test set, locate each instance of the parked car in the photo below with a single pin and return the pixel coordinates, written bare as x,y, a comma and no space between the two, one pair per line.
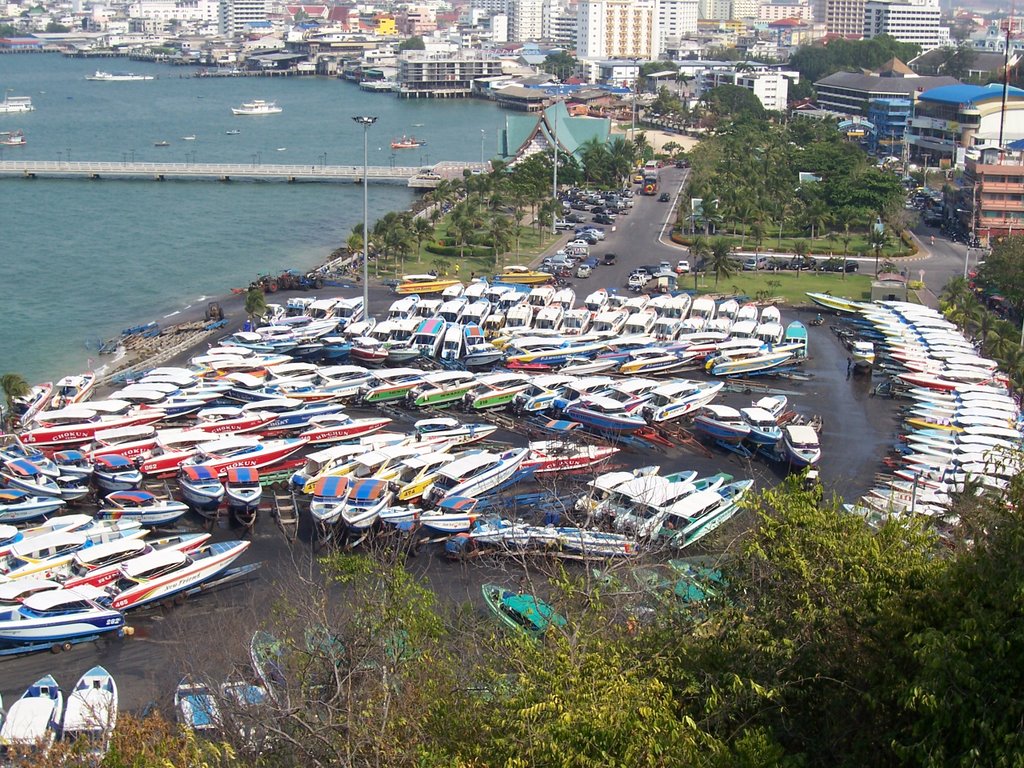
562,225
665,266
603,218
583,271
575,218
637,281
682,267
755,262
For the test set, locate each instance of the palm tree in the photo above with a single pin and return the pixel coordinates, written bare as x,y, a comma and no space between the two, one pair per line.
758,229
14,386
459,228
499,231
800,248
877,240
421,230
817,215
721,261
255,304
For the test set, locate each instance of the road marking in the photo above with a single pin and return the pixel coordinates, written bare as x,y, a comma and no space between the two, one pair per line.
668,218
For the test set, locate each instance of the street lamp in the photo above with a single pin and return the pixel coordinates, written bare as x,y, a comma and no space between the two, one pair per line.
554,175
366,121
482,134
69,154
133,155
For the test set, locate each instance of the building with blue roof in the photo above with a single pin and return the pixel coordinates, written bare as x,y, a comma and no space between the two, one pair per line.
951,121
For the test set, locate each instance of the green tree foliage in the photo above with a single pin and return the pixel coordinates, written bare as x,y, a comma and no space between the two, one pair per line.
54,26
956,61
255,303
733,102
13,386
1003,271
414,43
665,102
561,64
813,62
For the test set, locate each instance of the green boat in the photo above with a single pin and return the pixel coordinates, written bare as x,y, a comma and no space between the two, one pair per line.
697,582
496,390
393,385
522,612
441,388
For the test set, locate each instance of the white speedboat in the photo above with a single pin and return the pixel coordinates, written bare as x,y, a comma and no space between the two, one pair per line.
57,616
117,77
91,712
800,443
863,354
20,506
256,108
671,401
476,474
142,506
33,719
364,502
722,423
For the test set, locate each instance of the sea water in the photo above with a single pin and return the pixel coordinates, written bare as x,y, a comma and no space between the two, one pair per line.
80,260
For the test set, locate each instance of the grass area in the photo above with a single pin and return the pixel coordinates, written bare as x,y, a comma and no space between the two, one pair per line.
788,287
819,246
531,245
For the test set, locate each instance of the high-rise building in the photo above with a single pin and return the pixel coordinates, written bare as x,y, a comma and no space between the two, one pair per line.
559,23
676,19
617,29
905,22
236,14
842,17
715,10
525,19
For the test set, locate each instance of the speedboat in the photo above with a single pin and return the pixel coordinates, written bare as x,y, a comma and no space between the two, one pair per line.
423,284
244,494
452,431
159,575
79,424
390,384
196,706
232,418
696,516
604,414
256,108
417,473
764,429
368,351
18,506
225,454
33,720
801,445
48,555
329,495
475,474
650,360
366,498
57,616
142,506
722,423
525,275
91,713
98,565
118,77
562,456
521,612
455,514
22,474
442,387
114,472
671,401
73,389
337,427
201,488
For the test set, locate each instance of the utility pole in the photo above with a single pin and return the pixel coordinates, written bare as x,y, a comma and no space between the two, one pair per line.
366,122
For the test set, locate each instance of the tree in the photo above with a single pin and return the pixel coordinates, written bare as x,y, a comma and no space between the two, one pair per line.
561,64
255,304
721,259
55,27
956,61
499,232
800,248
1003,271
878,238
13,386
733,102
421,230
414,43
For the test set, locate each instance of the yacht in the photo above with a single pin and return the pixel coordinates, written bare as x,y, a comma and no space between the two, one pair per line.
12,104
257,107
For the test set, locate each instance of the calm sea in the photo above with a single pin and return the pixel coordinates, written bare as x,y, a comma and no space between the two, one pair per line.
81,260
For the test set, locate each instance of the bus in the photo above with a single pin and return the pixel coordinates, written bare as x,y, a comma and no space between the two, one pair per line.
650,183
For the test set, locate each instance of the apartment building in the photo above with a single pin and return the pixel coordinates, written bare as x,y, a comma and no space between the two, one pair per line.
423,74
525,19
905,22
236,15
784,10
992,196
617,29
676,19
770,86
842,17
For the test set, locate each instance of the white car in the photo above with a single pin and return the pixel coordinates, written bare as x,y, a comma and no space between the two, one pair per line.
577,244
682,267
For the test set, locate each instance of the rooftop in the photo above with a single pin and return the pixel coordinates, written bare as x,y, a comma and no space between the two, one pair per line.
963,94
855,81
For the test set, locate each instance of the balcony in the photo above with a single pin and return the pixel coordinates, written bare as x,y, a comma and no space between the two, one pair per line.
1001,186
1000,205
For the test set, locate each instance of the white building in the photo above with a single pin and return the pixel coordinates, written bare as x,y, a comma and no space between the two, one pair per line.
841,17
715,10
236,14
525,19
493,6
498,24
616,29
770,86
785,9
559,23
676,19
905,22
207,11
745,9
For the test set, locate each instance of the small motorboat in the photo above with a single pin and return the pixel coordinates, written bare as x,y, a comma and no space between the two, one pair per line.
863,354
764,428
57,616
232,132
97,566
196,706
448,430
159,575
722,423
18,506
33,720
562,456
73,465
455,514
161,143
244,494
24,475
329,494
366,498
801,445
143,506
91,713
114,472
522,612
201,489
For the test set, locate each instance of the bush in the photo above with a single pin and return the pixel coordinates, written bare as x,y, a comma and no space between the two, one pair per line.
468,251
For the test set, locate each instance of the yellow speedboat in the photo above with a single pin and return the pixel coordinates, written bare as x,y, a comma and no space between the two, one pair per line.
423,284
524,275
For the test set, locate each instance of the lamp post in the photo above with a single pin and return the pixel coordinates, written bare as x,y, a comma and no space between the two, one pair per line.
133,155
554,175
68,150
366,121
482,134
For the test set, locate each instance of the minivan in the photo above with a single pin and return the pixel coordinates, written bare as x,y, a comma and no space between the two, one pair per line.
755,262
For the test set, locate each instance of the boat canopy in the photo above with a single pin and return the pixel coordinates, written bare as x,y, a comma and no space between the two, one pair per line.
113,461
243,475
197,473
131,498
367,489
458,504
331,487
23,468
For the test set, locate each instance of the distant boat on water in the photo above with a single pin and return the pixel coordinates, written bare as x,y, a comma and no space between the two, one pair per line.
407,142
189,138
257,107
118,77
161,143
232,132
12,139
12,104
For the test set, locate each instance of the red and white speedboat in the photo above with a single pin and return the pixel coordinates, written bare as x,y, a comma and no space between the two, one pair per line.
335,427
174,447
130,442
232,419
241,451
27,407
73,389
57,432
165,573
562,456
98,566
941,383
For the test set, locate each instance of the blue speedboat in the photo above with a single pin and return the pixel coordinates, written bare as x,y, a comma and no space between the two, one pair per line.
201,488
57,616
114,472
18,506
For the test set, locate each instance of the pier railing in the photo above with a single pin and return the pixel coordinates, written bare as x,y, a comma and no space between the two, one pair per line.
414,176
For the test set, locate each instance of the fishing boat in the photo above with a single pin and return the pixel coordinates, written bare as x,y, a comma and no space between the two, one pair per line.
143,506
407,142
256,108
91,713
522,612
201,488
12,139
563,456
475,474
424,284
33,720
18,506
163,574
801,445
196,706
114,472
722,423
243,492
364,502
674,400
98,565
524,275
57,616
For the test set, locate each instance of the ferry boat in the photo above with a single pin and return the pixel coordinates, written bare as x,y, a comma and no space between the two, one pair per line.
256,108
13,104
407,142
424,284
520,274
12,138
117,77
